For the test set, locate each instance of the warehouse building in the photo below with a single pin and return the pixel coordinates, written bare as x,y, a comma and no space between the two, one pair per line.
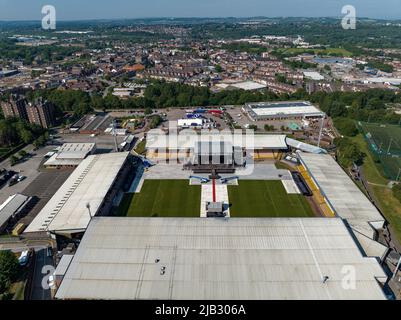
285,110
346,200
70,155
220,259
89,191
12,208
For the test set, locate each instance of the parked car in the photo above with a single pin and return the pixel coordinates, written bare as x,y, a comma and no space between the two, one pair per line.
24,258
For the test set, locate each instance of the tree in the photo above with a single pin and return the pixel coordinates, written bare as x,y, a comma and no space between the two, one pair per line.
346,126
148,111
348,152
13,160
23,153
253,127
218,68
269,127
9,267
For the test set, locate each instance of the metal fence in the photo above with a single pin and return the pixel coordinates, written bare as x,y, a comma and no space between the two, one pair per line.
384,143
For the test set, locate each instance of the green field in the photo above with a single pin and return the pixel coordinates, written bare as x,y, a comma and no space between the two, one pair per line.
254,198
385,144
383,135
327,51
389,205
163,198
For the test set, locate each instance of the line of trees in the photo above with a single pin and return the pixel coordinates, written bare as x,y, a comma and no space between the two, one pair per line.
9,268
361,106
14,132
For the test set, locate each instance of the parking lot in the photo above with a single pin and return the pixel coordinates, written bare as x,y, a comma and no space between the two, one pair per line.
43,183
28,168
44,186
242,120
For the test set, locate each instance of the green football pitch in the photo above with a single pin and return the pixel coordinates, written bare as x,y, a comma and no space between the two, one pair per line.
254,198
175,198
387,138
163,198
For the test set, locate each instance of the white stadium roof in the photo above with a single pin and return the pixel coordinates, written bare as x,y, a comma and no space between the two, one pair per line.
342,194
186,139
304,146
89,183
219,259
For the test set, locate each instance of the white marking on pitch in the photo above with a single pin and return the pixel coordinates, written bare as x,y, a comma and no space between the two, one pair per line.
290,186
207,196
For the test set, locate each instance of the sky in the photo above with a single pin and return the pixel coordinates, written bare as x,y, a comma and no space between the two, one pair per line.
125,9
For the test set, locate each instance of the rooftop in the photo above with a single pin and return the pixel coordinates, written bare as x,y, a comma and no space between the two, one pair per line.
157,139
269,258
70,154
284,108
67,209
342,194
11,206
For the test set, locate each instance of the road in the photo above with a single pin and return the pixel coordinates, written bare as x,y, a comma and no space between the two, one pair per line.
38,291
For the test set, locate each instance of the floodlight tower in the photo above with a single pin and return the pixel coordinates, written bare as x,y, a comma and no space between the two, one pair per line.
321,131
115,136
389,146
398,175
88,206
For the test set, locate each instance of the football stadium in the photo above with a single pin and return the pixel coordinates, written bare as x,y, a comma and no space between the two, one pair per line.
217,222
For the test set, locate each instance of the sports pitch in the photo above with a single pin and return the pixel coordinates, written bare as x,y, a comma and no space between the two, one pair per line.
382,136
163,198
260,198
379,138
176,198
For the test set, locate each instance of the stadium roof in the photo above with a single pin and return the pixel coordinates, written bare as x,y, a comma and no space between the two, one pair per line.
342,194
89,183
157,139
286,108
304,146
205,258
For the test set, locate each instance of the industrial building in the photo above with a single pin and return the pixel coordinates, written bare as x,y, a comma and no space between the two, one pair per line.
70,155
15,206
261,111
345,200
220,259
89,191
